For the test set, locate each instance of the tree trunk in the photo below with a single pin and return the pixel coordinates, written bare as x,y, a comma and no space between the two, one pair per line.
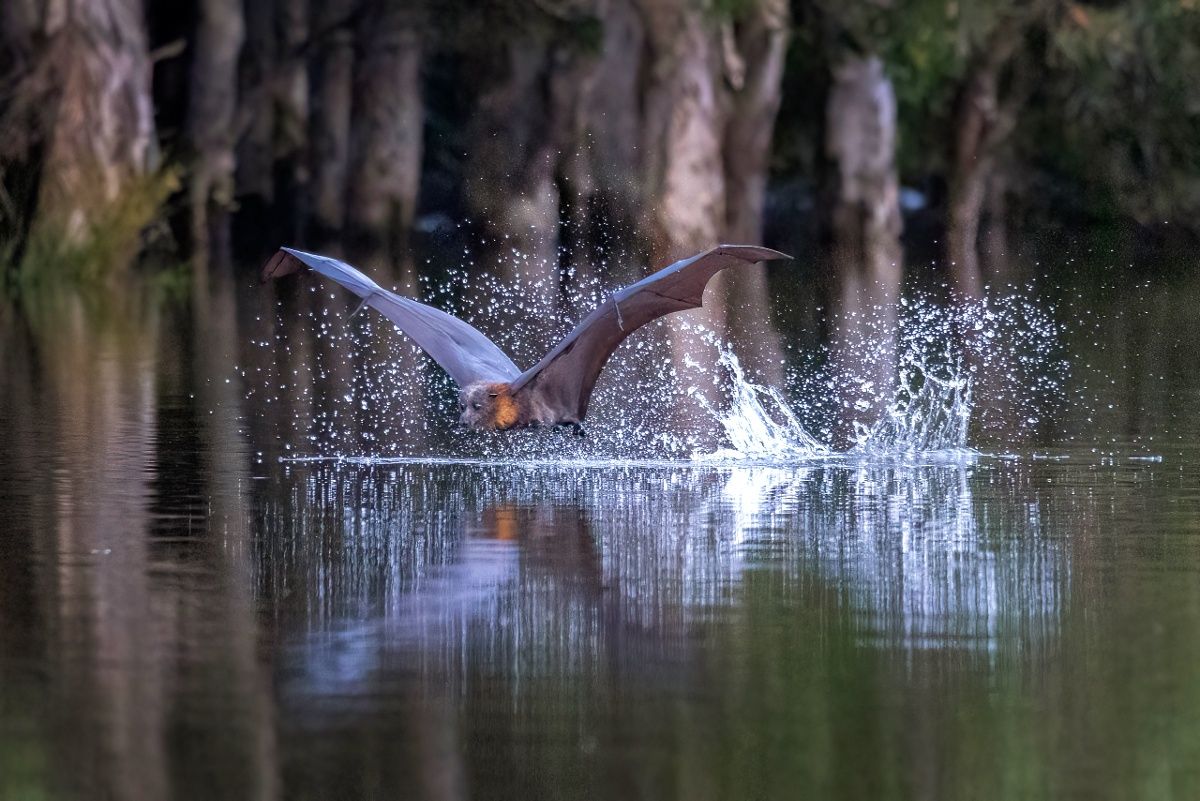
78,124
994,243
211,116
761,52
272,122
387,136
609,143
291,101
682,131
862,193
511,185
333,83
972,165
983,123
684,123
254,178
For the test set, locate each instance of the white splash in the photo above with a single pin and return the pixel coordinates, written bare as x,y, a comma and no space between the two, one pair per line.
929,414
758,422
908,385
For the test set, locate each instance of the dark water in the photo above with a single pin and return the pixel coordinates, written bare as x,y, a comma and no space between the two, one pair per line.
182,615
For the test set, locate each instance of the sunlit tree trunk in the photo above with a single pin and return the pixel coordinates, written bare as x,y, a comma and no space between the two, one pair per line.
683,124
863,227
709,105
757,76
684,186
387,132
78,123
211,116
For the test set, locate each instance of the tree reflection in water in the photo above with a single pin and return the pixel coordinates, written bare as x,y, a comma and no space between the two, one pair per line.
182,615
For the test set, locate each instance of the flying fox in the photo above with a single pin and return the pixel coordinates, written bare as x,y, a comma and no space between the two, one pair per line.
494,394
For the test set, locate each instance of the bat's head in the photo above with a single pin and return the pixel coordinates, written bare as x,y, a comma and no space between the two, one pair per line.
488,407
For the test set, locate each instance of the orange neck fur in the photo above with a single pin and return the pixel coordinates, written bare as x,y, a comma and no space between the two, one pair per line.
507,410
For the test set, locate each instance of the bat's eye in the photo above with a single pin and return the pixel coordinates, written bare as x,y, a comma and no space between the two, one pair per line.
476,406
493,395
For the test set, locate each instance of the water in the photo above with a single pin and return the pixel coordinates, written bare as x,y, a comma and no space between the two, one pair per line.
991,590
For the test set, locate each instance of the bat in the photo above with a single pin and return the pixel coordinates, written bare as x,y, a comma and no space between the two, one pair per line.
494,393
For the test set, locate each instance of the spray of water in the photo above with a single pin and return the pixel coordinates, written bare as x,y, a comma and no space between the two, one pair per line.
951,372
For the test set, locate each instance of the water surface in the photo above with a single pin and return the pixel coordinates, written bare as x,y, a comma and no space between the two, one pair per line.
184,615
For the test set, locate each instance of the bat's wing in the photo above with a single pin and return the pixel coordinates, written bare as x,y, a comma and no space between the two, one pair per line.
460,348
565,376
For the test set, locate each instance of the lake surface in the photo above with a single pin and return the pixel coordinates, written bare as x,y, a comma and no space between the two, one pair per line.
187,612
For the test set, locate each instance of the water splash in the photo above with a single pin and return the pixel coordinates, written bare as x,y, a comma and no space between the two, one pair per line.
930,414
945,374
943,353
757,421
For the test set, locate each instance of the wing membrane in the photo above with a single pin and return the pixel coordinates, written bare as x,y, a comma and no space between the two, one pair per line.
460,348
566,375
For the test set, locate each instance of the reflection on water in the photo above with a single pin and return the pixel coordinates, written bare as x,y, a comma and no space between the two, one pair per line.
182,615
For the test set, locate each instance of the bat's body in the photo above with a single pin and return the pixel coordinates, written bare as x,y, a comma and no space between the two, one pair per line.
495,394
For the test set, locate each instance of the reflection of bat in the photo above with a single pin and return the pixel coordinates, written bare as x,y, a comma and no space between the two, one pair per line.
495,394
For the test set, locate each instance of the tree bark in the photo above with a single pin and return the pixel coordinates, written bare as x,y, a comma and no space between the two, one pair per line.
974,156
761,52
78,125
984,120
254,150
684,190
387,135
862,193
333,83
684,118
291,99
608,145
211,116
511,173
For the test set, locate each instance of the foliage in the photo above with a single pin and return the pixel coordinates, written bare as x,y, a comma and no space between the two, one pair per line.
108,242
1120,112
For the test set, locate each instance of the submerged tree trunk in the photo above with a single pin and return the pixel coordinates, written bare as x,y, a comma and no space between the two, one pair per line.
985,118
272,119
211,116
332,91
862,193
682,147
511,172
977,128
387,135
78,124
708,111
758,80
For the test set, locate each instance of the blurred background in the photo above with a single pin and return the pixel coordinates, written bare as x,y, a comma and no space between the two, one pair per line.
194,128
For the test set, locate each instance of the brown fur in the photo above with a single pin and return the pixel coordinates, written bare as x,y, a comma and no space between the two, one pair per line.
508,412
